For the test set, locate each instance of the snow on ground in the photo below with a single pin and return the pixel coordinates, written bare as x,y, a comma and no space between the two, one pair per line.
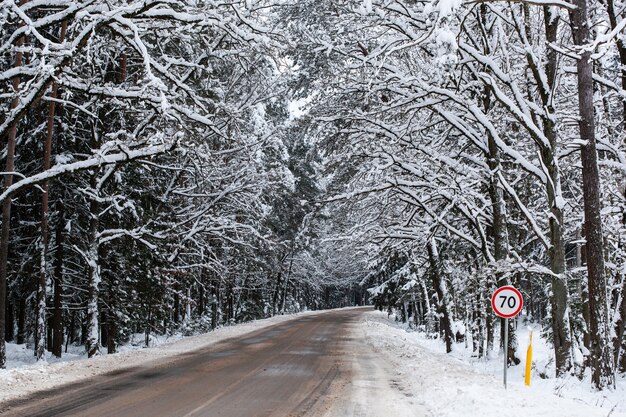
454,386
24,376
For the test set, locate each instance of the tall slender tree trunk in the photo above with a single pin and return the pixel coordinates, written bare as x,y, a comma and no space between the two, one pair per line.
545,78
215,305
57,315
6,205
176,307
500,239
21,321
201,297
92,343
47,156
9,327
442,293
188,305
619,341
283,300
276,292
111,308
600,354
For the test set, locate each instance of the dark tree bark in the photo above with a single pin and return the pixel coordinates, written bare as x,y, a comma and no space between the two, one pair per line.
41,290
618,340
57,315
92,340
71,330
442,296
9,334
111,332
559,302
6,204
201,297
176,306
500,236
215,292
601,360
276,293
21,321
111,321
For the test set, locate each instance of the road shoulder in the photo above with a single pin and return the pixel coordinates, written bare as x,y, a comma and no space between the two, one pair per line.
444,386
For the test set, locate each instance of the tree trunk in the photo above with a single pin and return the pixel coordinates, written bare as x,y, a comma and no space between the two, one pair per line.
442,294
9,333
176,307
584,297
111,322
478,347
215,290
92,342
562,338
41,291
6,204
201,300
57,315
21,321
276,292
111,333
230,311
601,361
500,238
283,301
188,305
71,330
618,340
561,333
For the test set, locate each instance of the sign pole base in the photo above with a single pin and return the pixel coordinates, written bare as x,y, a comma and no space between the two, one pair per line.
506,348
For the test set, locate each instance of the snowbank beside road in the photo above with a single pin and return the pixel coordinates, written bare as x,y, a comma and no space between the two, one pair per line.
24,377
449,387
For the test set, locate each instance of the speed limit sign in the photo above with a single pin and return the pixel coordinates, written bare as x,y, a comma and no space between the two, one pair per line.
507,302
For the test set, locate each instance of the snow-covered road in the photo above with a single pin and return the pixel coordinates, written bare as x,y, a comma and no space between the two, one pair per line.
348,362
26,379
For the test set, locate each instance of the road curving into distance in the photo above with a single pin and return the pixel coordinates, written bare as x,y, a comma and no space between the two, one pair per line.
301,367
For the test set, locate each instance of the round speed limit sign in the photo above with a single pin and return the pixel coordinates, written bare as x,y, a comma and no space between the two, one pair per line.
507,302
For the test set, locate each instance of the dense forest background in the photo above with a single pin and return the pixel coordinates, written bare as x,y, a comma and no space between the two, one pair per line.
174,166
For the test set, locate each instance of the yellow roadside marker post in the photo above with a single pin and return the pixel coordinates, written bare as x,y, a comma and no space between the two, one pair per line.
529,360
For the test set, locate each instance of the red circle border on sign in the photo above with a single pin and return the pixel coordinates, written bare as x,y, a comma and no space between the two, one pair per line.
519,294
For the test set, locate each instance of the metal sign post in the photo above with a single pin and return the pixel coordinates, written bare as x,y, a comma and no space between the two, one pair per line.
506,348
506,302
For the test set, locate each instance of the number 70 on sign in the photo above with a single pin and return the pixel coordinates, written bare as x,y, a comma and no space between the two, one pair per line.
507,302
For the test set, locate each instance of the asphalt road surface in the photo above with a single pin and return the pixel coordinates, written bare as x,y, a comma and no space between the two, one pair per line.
311,366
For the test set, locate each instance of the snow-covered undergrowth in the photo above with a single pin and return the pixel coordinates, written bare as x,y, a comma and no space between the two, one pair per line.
458,385
20,356
24,375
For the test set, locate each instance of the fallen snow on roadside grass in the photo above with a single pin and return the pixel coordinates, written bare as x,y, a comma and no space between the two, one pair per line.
450,387
25,377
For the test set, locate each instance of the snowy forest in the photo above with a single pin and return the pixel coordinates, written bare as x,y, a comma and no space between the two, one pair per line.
176,166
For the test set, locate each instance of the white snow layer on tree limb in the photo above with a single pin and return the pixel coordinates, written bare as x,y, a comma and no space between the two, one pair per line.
556,3
95,161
